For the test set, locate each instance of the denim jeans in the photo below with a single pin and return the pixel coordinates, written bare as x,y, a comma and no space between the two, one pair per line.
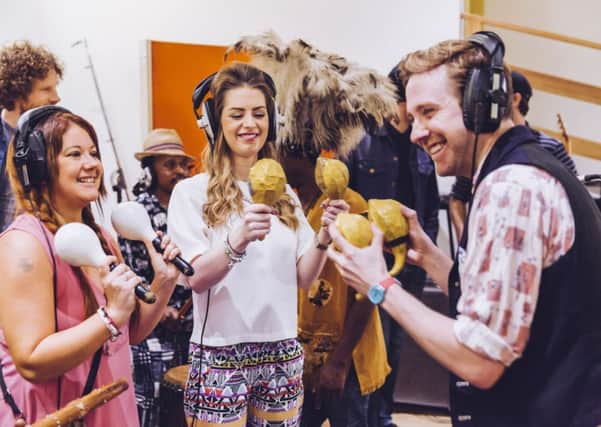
350,410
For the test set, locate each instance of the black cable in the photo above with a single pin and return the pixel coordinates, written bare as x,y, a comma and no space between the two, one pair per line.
472,173
202,334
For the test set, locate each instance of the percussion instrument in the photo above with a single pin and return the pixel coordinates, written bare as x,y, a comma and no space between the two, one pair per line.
171,397
78,408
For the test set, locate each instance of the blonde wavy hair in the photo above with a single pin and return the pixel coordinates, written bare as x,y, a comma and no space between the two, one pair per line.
224,197
39,203
459,56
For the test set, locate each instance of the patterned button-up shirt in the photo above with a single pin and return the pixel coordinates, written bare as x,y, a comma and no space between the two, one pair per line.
521,223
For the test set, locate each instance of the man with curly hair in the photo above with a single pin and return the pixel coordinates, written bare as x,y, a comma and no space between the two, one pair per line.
28,78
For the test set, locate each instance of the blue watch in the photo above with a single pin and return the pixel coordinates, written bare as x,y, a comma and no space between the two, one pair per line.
378,290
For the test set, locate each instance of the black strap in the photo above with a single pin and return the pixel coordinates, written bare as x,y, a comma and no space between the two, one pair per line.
93,372
395,242
8,398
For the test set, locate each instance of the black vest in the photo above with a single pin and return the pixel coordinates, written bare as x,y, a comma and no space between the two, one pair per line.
557,381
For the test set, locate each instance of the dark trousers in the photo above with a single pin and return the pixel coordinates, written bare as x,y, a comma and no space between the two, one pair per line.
381,401
349,410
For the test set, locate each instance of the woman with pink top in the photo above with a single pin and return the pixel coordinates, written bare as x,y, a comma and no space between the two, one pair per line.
58,321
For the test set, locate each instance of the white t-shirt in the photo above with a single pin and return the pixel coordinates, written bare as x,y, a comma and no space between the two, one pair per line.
256,301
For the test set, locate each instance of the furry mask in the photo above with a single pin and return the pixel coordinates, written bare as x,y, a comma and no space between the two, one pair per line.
327,102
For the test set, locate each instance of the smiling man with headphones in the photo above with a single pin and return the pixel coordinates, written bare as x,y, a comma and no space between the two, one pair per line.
523,340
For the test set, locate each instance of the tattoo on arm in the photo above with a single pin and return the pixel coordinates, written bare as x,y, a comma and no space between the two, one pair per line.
25,265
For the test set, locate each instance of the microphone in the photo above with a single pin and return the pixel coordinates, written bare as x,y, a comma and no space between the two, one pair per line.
77,244
131,221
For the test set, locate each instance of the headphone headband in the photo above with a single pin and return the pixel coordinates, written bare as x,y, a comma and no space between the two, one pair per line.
492,43
34,116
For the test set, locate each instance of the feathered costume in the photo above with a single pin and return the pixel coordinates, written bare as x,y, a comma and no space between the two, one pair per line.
327,102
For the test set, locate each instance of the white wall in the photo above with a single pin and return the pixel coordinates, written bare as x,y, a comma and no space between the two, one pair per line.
576,18
375,33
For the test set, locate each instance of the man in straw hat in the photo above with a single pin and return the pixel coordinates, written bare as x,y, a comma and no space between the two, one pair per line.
164,163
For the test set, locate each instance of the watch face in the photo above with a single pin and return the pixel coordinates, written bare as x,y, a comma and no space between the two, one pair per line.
376,294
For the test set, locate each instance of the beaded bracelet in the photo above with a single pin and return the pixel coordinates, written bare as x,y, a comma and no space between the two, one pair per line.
321,246
229,245
109,323
233,255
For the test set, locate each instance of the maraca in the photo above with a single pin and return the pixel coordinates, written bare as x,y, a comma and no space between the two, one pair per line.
356,229
267,181
131,221
386,214
77,244
332,177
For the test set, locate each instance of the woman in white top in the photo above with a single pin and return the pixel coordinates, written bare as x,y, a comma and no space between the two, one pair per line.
249,261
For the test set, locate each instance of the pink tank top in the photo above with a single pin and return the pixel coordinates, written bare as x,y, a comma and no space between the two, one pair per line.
38,400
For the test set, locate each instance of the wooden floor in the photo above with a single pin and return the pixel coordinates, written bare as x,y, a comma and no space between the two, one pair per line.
405,419
419,420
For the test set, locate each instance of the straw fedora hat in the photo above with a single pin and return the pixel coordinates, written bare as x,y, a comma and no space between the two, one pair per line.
162,142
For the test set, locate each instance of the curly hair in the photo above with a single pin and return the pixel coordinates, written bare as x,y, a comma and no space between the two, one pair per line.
224,197
20,64
38,201
458,56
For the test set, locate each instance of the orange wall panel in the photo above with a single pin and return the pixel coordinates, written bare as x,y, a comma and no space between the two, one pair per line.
176,68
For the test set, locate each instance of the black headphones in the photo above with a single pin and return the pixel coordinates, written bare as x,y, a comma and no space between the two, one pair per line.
208,121
30,147
485,93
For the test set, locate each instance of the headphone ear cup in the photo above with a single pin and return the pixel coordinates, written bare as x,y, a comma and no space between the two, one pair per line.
477,102
38,166
468,100
485,95
30,160
275,117
30,146
213,124
273,123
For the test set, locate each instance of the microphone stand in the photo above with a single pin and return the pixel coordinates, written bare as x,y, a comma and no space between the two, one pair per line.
119,184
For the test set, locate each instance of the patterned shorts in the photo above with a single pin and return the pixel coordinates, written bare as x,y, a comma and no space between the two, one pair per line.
252,384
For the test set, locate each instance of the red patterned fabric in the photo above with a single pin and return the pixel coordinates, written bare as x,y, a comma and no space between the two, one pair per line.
523,223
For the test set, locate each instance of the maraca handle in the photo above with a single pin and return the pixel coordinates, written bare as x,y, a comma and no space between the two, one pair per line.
141,289
181,264
145,294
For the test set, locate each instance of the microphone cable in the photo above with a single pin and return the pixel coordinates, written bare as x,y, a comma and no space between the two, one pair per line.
202,334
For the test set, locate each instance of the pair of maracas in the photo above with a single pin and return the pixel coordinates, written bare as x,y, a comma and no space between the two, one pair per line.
78,244
268,182
332,177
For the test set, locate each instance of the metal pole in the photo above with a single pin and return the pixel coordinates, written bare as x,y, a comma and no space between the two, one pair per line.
120,183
